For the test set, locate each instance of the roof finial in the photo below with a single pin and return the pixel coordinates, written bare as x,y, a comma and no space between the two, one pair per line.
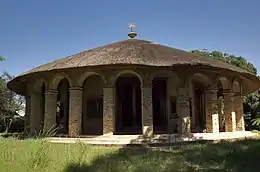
132,33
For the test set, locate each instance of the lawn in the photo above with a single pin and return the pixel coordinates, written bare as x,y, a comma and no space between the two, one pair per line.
38,155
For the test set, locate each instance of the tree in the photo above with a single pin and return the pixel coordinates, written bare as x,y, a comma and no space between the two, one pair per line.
2,58
10,103
227,58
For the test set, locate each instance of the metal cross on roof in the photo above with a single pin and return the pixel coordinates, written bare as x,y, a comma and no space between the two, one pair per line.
132,34
131,26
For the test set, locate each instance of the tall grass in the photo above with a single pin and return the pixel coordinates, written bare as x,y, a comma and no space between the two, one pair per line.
38,155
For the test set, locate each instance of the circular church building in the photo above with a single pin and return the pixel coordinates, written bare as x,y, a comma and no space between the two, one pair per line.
134,87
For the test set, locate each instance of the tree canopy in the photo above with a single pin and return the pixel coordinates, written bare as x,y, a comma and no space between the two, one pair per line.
227,58
10,103
2,58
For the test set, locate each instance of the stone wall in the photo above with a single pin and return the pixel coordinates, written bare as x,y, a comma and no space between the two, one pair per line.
238,103
230,118
184,126
147,111
211,103
75,111
180,90
50,112
108,111
35,113
172,87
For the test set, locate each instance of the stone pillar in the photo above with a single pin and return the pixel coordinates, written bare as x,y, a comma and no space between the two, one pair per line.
238,103
184,127
184,112
75,111
229,111
108,110
35,113
50,112
211,108
147,110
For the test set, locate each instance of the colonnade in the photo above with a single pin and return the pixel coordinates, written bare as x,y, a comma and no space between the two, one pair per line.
233,110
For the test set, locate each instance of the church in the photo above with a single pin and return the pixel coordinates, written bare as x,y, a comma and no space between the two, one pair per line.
134,87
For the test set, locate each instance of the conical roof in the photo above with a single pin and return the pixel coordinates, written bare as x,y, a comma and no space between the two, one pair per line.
133,51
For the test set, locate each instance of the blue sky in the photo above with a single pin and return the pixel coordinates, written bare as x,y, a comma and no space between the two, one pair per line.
35,32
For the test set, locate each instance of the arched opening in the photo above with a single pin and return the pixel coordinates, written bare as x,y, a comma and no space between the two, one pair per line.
42,106
92,109
221,114
224,85
164,99
200,82
128,105
62,117
160,117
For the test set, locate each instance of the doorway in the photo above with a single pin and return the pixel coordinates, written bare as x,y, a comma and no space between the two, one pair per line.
160,121
128,105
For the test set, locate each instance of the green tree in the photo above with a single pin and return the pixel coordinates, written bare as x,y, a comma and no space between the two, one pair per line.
2,58
10,103
227,58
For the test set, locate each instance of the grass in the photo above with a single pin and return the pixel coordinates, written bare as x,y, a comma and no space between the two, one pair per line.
38,155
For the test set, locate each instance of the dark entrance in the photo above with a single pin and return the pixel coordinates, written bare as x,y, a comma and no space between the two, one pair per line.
92,109
128,105
62,116
160,105
199,109
42,106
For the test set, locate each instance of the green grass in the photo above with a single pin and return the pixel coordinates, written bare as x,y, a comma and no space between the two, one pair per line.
37,155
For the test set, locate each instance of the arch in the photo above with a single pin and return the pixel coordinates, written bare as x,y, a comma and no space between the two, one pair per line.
168,74
127,72
92,108
225,82
221,113
37,86
202,80
199,83
54,82
85,76
164,100
62,115
128,103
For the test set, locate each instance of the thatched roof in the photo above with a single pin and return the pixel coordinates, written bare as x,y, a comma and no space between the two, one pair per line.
133,51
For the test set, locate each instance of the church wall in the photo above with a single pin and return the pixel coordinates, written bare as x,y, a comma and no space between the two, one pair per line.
172,105
94,89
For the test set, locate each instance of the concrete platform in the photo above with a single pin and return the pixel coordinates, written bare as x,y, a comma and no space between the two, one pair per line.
161,139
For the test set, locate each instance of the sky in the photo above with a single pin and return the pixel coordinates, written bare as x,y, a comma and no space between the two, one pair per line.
36,32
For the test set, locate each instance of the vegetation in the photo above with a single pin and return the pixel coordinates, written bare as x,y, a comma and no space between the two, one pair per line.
10,105
227,58
39,155
2,58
